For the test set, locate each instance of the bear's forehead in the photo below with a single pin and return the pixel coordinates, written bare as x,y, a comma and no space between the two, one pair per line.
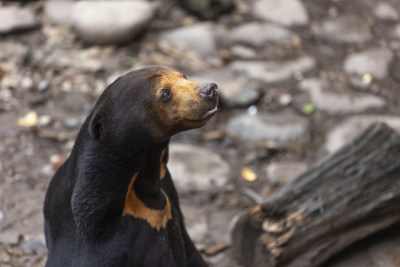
173,79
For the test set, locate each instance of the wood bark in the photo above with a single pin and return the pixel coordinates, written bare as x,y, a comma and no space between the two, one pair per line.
352,195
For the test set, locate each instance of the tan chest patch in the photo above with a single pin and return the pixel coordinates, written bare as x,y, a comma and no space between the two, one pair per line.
134,206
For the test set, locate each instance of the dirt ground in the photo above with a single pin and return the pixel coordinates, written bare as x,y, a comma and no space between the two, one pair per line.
50,71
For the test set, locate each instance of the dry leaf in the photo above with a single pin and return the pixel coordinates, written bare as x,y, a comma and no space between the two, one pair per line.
248,174
29,120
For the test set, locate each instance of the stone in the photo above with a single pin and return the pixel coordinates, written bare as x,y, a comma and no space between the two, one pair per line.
285,172
199,38
110,22
34,247
339,102
196,169
396,32
273,71
196,223
234,91
11,49
70,123
385,11
58,12
10,237
373,61
265,129
13,19
346,30
43,85
258,34
287,13
208,9
243,52
346,131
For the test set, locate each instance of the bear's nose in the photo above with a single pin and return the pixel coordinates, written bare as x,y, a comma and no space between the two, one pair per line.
209,91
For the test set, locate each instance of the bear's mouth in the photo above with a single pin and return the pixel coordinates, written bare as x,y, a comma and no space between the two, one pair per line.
210,112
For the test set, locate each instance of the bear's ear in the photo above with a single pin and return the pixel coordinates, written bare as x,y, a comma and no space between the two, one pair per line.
95,126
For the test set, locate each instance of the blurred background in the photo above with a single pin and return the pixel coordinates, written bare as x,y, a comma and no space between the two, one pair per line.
297,80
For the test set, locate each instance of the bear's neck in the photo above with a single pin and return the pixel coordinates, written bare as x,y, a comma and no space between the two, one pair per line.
103,179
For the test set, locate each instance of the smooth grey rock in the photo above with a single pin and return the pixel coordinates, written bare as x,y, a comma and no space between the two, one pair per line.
350,128
285,172
196,169
287,12
342,102
345,30
265,129
34,247
384,11
200,38
272,71
13,19
374,61
258,34
11,49
235,91
59,12
110,22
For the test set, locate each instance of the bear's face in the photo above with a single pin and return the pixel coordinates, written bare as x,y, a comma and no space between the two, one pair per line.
179,104
152,101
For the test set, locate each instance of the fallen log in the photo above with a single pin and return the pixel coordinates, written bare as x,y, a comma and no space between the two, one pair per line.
350,196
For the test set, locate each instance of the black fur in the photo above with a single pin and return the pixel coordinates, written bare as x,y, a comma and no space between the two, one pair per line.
83,208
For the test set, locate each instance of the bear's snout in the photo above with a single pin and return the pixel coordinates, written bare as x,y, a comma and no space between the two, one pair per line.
209,91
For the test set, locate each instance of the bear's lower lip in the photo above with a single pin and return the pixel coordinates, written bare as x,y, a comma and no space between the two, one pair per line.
210,112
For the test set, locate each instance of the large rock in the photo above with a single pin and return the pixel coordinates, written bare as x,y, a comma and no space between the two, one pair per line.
196,169
373,61
262,130
14,19
258,34
287,12
110,22
349,129
339,102
344,30
59,12
272,71
200,38
384,11
234,91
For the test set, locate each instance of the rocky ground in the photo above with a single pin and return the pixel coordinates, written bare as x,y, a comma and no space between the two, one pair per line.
298,80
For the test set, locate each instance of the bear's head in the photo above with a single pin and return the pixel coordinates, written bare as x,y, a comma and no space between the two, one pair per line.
151,102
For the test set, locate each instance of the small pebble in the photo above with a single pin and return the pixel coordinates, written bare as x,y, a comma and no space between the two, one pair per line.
71,123
44,120
252,110
43,85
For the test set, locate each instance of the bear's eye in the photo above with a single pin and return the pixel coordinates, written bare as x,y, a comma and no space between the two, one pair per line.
166,94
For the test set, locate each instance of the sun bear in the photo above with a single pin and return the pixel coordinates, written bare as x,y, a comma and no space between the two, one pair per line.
113,202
